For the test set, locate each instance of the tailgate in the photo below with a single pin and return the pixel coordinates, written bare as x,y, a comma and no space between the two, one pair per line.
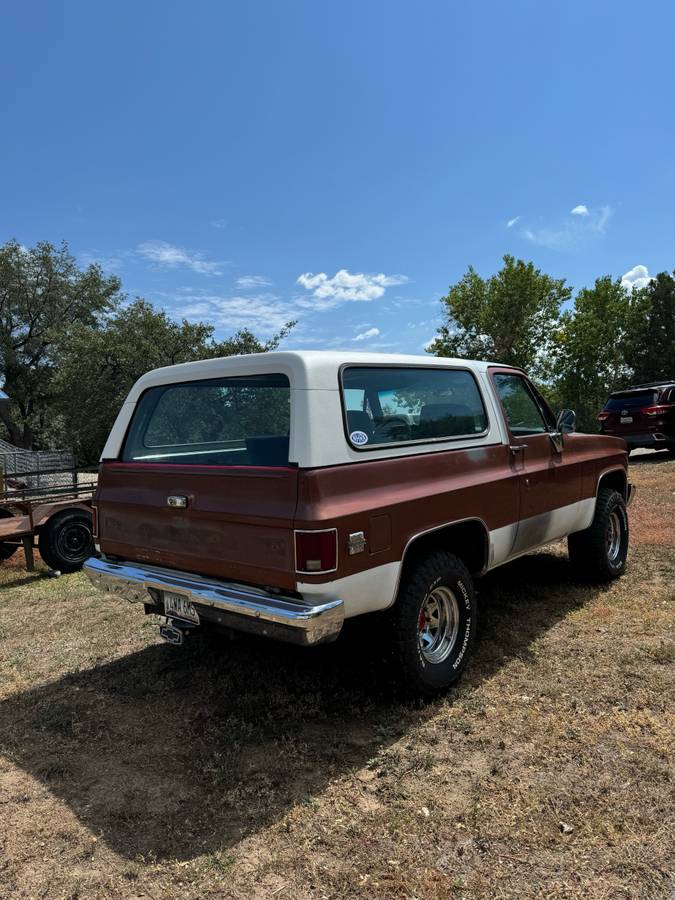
237,522
633,423
628,407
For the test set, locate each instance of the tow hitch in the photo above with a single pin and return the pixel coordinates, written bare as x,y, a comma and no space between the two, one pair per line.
174,632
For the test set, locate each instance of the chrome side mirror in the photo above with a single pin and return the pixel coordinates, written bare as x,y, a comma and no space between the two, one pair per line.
566,421
557,439
564,424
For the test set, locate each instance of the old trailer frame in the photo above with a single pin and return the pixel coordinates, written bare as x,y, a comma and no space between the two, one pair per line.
25,511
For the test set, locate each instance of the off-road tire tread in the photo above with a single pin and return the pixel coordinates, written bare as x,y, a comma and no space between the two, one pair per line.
405,673
587,549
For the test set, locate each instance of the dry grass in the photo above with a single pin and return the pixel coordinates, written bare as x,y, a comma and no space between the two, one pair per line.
249,769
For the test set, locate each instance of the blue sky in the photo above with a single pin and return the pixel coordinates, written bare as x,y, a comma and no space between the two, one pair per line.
338,163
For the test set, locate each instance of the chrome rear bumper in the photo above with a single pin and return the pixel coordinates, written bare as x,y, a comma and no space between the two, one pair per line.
236,606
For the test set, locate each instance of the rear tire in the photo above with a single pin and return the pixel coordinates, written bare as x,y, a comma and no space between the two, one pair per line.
600,551
432,625
66,540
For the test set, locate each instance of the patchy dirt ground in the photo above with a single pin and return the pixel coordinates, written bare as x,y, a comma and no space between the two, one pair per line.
248,769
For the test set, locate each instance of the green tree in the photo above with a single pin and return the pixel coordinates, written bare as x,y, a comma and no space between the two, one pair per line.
43,296
591,350
650,349
510,317
100,364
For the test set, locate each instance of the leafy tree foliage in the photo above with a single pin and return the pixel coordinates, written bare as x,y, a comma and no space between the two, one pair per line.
43,297
101,364
510,317
71,347
591,349
609,340
651,344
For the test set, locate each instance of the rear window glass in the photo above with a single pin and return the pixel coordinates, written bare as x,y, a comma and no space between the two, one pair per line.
219,421
631,401
396,405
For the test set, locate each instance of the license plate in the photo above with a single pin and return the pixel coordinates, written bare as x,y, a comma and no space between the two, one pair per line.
626,420
177,606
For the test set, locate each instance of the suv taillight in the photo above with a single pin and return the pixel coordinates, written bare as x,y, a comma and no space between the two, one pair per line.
658,410
316,551
603,415
94,520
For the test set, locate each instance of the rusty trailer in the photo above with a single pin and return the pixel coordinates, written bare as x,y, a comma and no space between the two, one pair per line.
56,520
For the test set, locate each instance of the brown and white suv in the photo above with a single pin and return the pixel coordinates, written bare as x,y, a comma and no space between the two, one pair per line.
284,492
644,416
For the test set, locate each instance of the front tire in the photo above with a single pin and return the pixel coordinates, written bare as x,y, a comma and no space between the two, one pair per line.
433,624
600,551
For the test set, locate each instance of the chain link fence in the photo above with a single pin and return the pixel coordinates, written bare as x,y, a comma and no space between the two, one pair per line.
44,469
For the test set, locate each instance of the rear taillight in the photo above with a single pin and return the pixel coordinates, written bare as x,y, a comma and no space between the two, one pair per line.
658,410
94,521
603,415
316,551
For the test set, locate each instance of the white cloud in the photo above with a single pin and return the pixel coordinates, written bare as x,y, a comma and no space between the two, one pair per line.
253,281
571,233
580,210
218,223
109,262
368,333
512,222
636,278
263,313
170,256
345,286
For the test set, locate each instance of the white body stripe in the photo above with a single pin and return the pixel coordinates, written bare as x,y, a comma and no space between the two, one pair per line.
364,592
375,589
513,540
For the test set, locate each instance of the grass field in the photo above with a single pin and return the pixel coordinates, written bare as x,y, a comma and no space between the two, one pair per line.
248,769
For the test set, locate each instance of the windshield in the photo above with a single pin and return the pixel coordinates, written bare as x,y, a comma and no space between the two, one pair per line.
219,421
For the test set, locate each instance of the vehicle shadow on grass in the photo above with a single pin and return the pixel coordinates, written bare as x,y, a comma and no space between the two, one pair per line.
169,753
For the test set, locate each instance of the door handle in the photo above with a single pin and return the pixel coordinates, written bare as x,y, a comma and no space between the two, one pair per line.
517,448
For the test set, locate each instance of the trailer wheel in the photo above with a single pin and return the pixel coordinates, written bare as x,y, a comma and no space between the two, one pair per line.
66,540
7,549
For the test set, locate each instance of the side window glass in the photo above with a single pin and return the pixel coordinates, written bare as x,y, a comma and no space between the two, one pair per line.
521,411
393,405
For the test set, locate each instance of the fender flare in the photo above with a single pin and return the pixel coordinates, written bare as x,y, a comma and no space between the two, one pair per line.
427,531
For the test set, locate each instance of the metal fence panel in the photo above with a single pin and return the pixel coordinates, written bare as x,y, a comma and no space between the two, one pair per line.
37,466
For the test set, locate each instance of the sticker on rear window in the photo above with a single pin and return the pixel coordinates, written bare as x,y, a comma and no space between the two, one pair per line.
358,438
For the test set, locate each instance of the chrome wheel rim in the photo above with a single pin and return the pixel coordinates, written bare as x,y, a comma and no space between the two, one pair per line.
613,537
438,625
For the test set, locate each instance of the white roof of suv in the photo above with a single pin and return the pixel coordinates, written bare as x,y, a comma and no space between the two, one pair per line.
317,433
306,369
